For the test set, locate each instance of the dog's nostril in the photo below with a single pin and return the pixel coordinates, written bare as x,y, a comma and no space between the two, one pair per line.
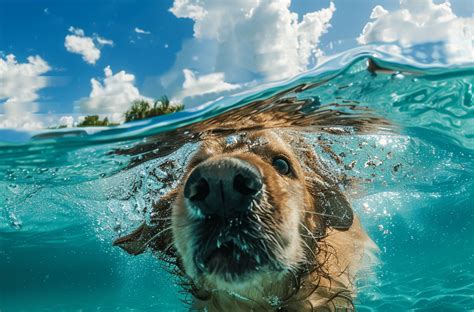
222,187
246,185
199,190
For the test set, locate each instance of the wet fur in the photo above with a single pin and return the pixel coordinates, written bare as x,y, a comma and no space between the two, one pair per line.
315,243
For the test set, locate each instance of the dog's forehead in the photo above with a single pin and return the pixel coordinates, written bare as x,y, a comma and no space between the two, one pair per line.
252,141
260,142
249,139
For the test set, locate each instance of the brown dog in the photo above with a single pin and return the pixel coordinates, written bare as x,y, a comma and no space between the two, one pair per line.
258,223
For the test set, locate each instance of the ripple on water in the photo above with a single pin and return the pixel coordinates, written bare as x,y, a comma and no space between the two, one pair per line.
403,140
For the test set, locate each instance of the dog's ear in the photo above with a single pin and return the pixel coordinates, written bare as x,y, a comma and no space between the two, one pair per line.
330,203
136,242
333,207
156,236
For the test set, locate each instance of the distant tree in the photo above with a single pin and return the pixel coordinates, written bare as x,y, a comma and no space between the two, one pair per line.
141,109
94,121
57,127
138,110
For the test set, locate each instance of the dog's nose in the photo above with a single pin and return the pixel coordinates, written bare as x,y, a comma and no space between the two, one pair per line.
223,187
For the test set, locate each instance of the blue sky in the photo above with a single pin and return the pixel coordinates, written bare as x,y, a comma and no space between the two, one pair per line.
26,29
172,56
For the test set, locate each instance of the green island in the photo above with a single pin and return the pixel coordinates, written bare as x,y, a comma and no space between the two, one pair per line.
140,109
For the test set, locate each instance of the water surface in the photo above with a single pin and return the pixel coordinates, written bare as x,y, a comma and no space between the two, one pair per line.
67,194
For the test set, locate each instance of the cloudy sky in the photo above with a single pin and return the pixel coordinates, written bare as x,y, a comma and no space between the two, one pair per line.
60,60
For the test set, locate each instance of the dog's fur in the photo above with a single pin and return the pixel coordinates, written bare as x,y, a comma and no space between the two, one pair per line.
302,224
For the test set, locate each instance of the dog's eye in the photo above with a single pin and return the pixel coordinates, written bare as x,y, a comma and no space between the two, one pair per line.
281,165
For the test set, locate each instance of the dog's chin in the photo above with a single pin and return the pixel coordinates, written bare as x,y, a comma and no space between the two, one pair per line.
226,271
230,263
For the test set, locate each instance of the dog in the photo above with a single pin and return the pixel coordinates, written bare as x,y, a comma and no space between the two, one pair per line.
258,223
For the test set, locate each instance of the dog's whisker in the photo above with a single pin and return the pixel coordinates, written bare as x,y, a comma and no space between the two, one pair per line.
306,236
324,214
308,230
309,249
161,219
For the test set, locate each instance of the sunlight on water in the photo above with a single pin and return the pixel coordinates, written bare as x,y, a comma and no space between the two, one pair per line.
67,195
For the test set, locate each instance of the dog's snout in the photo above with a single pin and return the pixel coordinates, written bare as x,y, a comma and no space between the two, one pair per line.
223,187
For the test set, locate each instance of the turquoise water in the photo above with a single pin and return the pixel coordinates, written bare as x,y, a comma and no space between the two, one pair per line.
66,195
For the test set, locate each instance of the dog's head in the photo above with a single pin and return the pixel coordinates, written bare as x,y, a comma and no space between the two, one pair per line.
251,205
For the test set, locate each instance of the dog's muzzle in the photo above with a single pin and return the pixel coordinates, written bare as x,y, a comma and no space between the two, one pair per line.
223,187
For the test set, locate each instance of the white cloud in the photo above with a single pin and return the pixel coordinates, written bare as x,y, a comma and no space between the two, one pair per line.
103,41
210,83
20,84
67,121
77,42
262,37
21,81
112,97
141,31
422,22
21,122
245,40
76,31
